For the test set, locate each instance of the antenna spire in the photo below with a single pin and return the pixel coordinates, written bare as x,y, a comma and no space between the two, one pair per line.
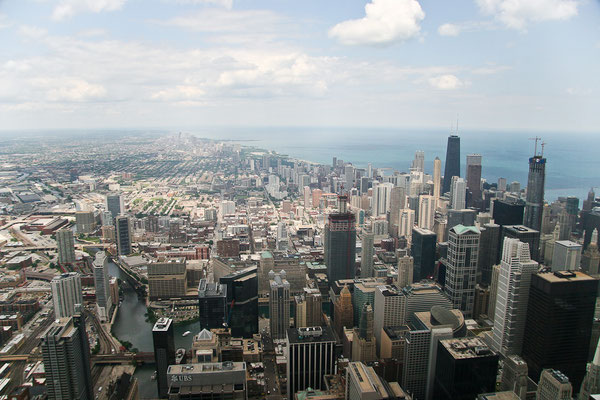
537,138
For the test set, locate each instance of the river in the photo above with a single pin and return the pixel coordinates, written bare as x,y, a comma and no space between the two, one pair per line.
131,325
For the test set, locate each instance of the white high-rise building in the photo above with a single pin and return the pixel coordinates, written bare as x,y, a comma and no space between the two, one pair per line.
459,193
406,223
65,246
510,312
389,309
382,195
405,271
566,255
461,269
66,293
437,178
307,197
102,284
426,212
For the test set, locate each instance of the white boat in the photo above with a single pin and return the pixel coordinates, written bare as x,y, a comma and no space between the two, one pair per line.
186,333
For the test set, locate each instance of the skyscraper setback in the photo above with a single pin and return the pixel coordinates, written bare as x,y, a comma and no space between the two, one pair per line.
452,167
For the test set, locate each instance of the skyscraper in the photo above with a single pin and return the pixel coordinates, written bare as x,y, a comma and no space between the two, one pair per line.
212,307
343,312
559,323
382,197
66,355
452,167
426,211
525,235
535,193
218,380
389,309
590,260
66,293
85,221
65,246
591,382
242,302
114,204
123,235
405,271
508,213
164,353
464,368
437,179
461,270
474,180
489,243
423,252
418,163
101,283
363,340
516,269
407,222
311,355
458,190
554,385
566,255
366,260
340,243
397,203
363,383
279,305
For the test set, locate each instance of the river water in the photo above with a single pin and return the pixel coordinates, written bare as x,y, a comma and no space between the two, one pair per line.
130,325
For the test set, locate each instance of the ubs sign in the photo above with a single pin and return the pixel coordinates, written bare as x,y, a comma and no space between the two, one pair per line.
181,378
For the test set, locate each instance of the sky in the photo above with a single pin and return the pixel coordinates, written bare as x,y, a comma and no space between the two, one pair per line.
526,65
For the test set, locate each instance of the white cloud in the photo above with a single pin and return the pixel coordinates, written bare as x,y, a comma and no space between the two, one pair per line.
68,8
179,93
517,14
66,89
223,3
449,30
445,82
4,22
385,22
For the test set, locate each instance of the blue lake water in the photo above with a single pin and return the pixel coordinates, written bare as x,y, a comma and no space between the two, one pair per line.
573,164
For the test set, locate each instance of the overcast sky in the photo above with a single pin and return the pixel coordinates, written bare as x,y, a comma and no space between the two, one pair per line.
499,64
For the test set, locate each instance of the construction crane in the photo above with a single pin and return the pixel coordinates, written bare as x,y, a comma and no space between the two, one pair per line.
536,144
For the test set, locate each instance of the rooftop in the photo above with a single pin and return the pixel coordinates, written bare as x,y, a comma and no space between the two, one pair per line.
310,334
565,276
162,325
462,348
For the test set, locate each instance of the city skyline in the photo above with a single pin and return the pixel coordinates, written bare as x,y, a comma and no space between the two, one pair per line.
121,64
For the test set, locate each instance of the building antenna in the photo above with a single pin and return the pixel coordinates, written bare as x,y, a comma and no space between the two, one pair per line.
543,144
457,123
536,143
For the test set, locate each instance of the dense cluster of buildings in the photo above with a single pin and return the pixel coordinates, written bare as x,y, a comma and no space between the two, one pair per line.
313,281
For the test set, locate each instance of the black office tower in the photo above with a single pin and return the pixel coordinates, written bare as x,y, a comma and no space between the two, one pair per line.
525,235
340,243
508,213
242,302
534,204
212,308
164,353
489,254
559,321
452,167
123,234
423,253
464,368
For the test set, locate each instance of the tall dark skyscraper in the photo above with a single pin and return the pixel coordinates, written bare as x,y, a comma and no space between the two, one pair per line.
474,198
242,302
535,193
508,213
212,304
423,252
123,235
340,243
164,353
452,167
66,355
559,321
